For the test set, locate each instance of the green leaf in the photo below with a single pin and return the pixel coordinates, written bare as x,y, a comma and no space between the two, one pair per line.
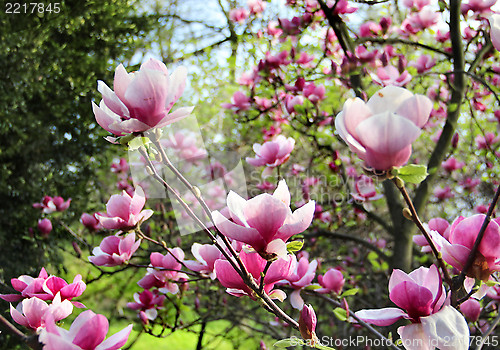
284,343
350,292
411,173
294,246
138,142
340,313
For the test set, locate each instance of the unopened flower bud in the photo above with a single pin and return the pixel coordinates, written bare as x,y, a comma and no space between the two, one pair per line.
307,322
45,227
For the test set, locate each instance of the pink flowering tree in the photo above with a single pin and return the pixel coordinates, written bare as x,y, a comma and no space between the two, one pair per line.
370,150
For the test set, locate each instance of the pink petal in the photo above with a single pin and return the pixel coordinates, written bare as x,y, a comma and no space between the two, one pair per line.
126,244
92,332
18,317
119,206
298,222
54,284
137,202
240,233
381,317
112,101
117,340
227,276
106,119
34,309
266,214
417,109
178,114
121,81
176,88
415,299
282,193
414,337
354,112
110,244
388,99
447,329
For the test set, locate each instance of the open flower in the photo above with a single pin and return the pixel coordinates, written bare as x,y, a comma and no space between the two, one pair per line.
205,255
265,222
272,153
124,212
148,302
382,130
300,278
142,100
331,281
87,332
462,235
115,250
420,296
167,272
278,270
32,312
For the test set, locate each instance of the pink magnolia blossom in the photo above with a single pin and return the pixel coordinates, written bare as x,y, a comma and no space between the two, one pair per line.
32,312
115,250
420,297
341,7
124,211
44,226
418,21
307,322
443,193
28,286
451,164
240,102
148,302
424,63
365,190
477,6
463,233
331,281
471,308
364,55
369,29
90,222
417,4
495,30
142,100
238,15
120,167
382,130
165,272
301,277
256,6
305,60
87,332
291,101
265,222
389,75
185,145
314,93
272,153
45,287
205,255
439,225
486,141
52,204
470,184
278,270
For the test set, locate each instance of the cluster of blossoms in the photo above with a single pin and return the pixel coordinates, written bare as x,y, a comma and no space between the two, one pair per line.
49,205
34,311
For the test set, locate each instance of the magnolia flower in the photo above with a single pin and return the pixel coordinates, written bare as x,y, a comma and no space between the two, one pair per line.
307,322
495,30
389,75
167,272
265,222
52,204
255,265
451,164
301,277
90,222
272,153
28,286
462,235
87,332
421,298
32,312
439,225
124,212
148,302
331,281
382,130
240,102
365,190
205,255
115,250
142,100
45,287
44,226
238,15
